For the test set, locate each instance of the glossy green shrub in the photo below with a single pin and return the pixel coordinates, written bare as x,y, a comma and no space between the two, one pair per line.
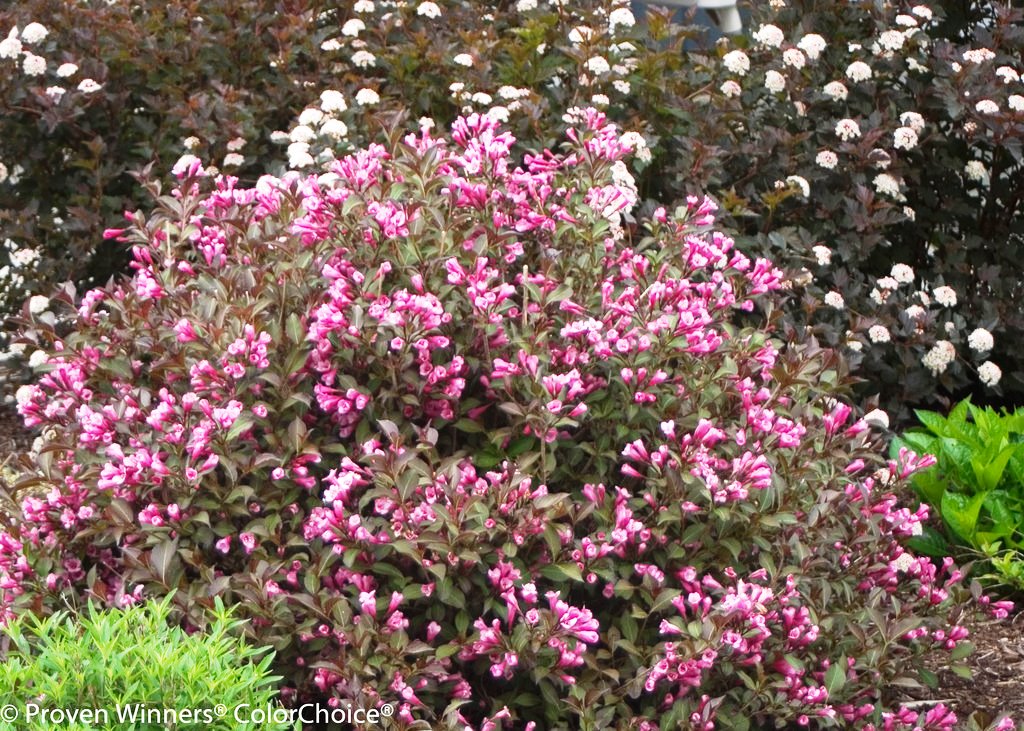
977,485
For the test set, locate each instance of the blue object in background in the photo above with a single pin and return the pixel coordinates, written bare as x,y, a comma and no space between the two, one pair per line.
731,20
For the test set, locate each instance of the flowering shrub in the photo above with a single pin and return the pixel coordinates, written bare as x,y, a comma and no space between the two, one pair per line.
893,143
896,147
843,160
110,669
453,434
91,92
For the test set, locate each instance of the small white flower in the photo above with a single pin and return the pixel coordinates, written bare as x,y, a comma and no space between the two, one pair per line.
774,81
794,57
233,160
904,138
812,44
913,120
980,340
599,100
331,44
353,27
24,394
300,160
769,35
310,116
1007,74
33,33
463,59
975,170
598,65
847,129
623,87
835,300
902,273
836,90
302,133
66,69
858,71
945,296
580,34
906,21
1016,102
334,128
363,6
481,98
33,65
822,254
903,562
987,106
55,93
88,86
367,97
620,17
978,55
363,59
190,143
524,6
38,304
922,11
989,373
827,159
891,40
877,418
737,62
879,334
939,357
498,114
910,213
428,10
10,47
236,144
731,89
332,101
888,185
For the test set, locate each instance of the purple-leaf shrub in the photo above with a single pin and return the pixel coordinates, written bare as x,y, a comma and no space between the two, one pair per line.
455,432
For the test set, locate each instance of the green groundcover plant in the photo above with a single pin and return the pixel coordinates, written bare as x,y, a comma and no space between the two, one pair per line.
127,668
470,434
976,485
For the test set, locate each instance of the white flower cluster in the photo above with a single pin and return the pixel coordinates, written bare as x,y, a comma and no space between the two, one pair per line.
989,373
980,340
945,296
879,334
939,357
318,125
847,129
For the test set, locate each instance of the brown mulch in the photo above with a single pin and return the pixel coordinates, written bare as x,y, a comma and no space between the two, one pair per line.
997,669
997,664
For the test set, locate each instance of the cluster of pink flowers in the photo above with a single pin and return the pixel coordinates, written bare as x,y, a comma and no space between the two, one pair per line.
304,449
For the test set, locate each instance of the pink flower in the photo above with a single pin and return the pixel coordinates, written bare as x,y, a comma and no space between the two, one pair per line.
248,541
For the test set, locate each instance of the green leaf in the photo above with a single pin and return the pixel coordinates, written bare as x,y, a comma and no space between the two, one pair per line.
961,514
962,650
930,543
162,559
294,328
562,572
835,676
